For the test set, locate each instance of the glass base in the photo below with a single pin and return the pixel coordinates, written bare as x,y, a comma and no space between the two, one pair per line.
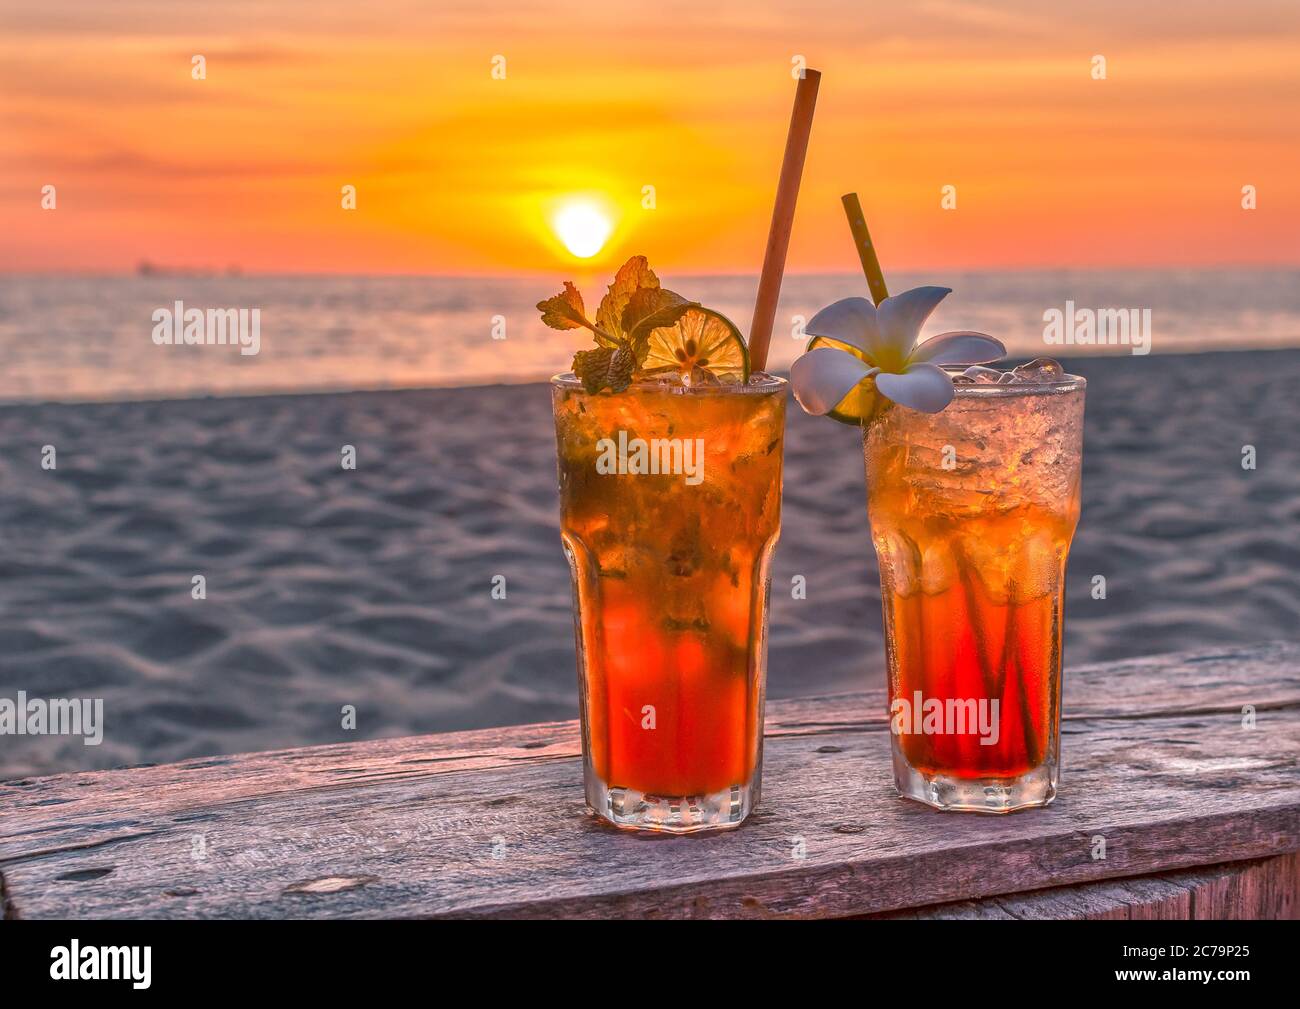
976,795
671,814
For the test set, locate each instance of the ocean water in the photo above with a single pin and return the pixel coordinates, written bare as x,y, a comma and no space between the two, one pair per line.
89,338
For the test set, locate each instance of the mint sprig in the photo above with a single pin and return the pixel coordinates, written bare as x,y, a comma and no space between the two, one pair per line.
633,306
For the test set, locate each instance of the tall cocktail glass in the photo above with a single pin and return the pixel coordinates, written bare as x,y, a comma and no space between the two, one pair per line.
972,511
670,499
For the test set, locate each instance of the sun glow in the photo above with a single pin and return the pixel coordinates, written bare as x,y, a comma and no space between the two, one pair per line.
583,227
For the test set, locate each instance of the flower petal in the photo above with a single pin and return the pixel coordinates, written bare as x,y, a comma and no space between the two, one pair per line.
824,376
850,320
901,317
923,386
961,346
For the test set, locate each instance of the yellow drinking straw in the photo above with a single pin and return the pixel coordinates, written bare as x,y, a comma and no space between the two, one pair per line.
866,250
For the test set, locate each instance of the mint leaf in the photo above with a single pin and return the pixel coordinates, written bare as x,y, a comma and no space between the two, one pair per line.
652,307
565,310
632,276
605,368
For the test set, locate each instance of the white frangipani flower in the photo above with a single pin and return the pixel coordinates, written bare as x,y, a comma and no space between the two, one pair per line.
856,341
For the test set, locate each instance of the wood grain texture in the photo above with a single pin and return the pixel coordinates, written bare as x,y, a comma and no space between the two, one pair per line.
1258,888
491,823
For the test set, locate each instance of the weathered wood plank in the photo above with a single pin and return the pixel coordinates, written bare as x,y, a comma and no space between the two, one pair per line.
490,823
1263,676
1259,888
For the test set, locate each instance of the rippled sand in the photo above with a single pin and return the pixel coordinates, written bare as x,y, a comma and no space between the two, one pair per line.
372,587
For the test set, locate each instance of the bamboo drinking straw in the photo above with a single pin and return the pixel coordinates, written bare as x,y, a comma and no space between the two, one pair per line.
778,236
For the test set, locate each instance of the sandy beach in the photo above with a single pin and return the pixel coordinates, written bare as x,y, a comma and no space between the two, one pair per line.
327,587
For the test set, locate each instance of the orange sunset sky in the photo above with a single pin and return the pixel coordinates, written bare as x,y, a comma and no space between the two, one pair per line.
459,173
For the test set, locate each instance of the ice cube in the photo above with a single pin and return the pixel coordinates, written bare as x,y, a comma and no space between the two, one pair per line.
1040,369
900,561
666,376
938,567
1036,567
988,560
979,375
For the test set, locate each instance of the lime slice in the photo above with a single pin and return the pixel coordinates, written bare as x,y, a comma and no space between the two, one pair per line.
702,339
862,402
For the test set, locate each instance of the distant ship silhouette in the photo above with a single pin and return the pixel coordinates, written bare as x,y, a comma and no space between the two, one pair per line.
145,268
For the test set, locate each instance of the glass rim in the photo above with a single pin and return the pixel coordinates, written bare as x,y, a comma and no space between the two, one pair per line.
764,384
1066,383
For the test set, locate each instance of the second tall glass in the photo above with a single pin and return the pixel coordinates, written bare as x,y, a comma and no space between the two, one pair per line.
972,512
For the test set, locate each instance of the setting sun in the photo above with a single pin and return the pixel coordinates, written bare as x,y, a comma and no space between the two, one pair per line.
583,227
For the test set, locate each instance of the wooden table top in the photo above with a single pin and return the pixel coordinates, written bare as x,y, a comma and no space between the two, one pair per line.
1158,762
